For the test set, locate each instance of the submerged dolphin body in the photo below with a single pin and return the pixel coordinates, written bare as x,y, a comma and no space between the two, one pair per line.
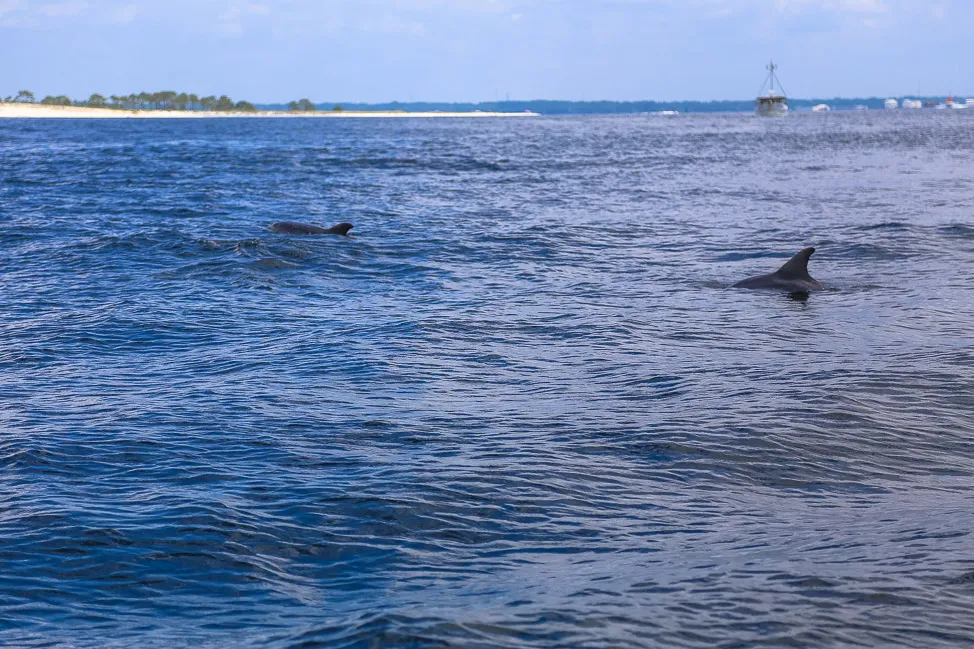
793,277
290,227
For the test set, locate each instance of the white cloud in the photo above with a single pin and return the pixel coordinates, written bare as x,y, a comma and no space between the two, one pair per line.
230,22
59,9
12,14
872,6
854,6
391,24
479,6
122,15
8,6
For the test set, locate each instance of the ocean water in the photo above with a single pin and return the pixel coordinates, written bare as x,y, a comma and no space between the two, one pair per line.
519,407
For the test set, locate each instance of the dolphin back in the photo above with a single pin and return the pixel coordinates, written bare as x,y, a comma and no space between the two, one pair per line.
341,228
291,227
792,276
797,266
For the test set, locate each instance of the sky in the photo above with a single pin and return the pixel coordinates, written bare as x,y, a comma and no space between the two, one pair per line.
484,50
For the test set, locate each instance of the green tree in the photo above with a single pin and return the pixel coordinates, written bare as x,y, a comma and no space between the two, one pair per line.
294,106
193,101
224,103
306,104
96,100
25,96
208,103
337,109
245,107
165,99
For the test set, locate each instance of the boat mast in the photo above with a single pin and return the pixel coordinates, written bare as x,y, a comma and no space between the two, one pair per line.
771,67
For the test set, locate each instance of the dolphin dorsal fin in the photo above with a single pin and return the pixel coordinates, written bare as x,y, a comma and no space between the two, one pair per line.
797,265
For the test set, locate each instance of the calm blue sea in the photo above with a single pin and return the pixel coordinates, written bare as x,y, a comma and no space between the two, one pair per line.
519,407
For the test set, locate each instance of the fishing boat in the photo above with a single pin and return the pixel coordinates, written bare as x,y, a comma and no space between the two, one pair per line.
771,103
955,105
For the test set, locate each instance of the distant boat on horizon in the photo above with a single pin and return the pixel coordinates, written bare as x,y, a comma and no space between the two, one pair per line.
771,104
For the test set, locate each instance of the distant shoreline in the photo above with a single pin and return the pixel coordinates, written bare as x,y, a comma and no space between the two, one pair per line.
551,107
41,111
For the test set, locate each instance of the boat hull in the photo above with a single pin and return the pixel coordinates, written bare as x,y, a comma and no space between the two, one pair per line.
767,109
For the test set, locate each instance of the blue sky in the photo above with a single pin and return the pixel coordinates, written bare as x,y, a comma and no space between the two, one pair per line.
474,50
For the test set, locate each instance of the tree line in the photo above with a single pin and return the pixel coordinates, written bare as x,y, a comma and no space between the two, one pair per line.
164,100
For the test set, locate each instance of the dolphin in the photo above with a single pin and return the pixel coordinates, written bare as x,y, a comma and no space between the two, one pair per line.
290,227
793,277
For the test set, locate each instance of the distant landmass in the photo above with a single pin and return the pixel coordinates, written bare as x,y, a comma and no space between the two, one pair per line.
170,101
556,107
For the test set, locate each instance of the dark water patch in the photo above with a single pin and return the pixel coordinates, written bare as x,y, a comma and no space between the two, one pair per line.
966,579
742,256
958,230
894,226
274,264
862,252
186,213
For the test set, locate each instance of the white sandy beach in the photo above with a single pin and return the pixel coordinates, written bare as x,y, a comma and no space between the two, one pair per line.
46,112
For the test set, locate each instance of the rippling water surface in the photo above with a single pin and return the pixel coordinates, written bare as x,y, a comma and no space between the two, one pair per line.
519,407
